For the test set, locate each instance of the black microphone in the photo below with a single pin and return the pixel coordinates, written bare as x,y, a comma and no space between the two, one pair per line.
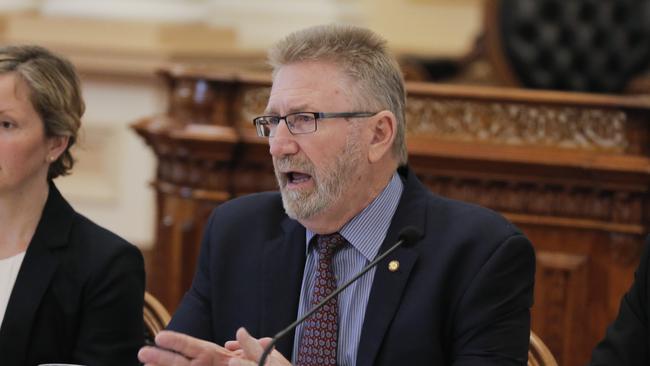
408,235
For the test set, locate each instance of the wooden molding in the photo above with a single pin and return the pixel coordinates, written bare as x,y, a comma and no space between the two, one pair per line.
130,48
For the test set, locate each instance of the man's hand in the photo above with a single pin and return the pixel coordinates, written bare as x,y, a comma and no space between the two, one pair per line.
252,351
176,349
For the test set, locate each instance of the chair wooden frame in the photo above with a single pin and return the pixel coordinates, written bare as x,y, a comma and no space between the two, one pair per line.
156,317
538,353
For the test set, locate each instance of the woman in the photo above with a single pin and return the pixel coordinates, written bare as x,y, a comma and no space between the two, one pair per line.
70,291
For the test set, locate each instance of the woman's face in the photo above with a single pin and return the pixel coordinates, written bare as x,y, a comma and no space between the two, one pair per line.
25,152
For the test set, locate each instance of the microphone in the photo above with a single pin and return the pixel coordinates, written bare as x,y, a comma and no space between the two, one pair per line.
408,235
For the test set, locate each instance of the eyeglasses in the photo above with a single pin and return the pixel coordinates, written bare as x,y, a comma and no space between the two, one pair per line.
300,122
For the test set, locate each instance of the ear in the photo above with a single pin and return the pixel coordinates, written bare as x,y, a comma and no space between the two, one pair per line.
383,130
56,145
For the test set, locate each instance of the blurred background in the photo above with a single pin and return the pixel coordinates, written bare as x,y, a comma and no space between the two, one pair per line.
118,45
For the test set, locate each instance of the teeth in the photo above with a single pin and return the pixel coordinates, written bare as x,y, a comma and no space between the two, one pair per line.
297,177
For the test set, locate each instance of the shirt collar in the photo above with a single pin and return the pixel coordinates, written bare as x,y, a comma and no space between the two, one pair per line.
367,230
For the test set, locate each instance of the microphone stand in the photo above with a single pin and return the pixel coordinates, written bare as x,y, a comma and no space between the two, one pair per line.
407,234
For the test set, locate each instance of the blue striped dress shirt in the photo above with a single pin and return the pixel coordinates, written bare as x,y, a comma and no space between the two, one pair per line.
365,233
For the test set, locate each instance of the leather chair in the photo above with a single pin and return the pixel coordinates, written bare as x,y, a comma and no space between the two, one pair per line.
578,45
572,45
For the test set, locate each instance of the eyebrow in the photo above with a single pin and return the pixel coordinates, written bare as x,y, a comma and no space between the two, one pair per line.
9,112
300,108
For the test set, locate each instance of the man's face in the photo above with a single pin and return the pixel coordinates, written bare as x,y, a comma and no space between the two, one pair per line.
315,170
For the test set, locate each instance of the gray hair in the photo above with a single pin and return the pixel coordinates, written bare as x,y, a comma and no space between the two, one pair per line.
362,55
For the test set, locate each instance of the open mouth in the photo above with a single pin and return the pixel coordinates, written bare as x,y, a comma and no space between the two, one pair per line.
297,178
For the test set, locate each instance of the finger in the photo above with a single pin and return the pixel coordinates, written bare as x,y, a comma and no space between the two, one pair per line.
235,346
157,356
238,353
232,345
251,346
189,346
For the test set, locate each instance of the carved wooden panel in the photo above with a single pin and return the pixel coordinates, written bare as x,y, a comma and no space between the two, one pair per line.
518,123
182,220
597,205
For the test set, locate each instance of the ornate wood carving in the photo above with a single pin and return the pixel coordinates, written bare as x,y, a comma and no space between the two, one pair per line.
536,197
255,99
518,123
625,250
507,123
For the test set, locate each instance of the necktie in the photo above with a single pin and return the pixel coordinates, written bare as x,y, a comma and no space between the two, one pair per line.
320,333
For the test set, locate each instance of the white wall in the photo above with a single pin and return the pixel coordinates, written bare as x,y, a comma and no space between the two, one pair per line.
110,183
436,27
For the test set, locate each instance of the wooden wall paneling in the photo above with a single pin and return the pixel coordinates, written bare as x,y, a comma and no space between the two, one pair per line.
193,229
561,298
166,280
610,266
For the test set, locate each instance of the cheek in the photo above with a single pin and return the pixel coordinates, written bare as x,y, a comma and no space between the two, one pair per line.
331,147
22,153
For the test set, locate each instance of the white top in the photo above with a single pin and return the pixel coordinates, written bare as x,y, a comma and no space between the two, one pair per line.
9,268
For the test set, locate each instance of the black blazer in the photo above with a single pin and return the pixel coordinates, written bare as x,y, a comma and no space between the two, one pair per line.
462,294
627,340
78,296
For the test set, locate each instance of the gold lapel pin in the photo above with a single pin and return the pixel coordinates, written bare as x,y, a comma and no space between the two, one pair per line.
393,266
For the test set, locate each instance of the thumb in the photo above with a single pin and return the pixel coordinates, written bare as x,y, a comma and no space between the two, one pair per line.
252,348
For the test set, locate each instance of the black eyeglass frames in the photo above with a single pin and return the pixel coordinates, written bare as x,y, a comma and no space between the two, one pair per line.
300,122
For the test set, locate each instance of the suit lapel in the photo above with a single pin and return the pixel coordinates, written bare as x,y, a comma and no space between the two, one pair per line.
283,265
388,286
34,277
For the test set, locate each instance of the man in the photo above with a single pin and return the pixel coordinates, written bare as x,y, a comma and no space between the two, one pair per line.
461,294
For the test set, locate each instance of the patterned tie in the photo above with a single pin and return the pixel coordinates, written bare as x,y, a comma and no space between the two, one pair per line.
320,333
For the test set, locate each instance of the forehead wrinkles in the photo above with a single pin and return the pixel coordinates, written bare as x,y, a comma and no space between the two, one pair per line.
291,99
308,84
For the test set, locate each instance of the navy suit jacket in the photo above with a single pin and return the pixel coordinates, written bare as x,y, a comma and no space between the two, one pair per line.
462,294
78,296
627,341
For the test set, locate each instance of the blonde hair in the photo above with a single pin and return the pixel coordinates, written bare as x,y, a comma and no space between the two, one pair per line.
55,94
362,55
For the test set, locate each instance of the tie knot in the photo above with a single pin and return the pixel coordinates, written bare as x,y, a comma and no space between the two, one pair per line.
329,244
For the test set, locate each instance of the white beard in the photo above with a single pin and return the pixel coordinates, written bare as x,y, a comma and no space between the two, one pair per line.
330,182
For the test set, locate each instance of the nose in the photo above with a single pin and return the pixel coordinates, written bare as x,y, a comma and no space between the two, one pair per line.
282,143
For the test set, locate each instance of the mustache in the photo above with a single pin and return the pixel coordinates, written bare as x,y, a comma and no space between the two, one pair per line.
288,163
